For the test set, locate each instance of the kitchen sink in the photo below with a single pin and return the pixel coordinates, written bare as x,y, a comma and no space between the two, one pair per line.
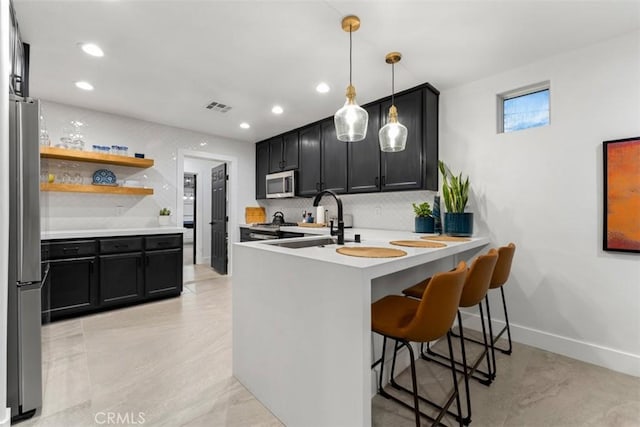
308,243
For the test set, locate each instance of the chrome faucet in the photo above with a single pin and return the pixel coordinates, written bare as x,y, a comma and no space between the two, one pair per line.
340,231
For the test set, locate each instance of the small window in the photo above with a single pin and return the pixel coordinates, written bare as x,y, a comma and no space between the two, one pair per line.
524,108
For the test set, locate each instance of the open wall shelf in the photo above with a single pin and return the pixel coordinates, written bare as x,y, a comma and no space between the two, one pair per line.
90,157
97,189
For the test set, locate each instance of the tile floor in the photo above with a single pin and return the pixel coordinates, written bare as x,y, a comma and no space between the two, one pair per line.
168,363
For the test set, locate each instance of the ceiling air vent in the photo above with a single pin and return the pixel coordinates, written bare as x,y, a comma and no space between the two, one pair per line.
220,108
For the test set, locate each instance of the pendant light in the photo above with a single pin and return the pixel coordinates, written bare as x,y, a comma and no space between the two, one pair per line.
393,135
351,120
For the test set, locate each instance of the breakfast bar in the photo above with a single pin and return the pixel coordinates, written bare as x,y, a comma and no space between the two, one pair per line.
302,319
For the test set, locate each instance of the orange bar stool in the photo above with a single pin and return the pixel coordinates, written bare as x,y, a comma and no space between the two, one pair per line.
475,289
405,320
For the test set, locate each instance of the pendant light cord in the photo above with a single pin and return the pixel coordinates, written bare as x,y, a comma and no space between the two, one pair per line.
350,53
393,82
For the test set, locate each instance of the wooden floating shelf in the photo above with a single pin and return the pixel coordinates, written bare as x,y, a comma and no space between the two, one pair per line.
102,189
91,157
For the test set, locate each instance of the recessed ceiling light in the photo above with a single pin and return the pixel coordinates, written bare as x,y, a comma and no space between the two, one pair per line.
323,87
91,49
244,125
84,85
277,109
202,144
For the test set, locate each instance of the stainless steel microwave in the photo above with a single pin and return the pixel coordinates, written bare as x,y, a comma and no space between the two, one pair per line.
281,185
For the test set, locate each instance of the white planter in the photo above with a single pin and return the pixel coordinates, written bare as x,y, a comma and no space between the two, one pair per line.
164,220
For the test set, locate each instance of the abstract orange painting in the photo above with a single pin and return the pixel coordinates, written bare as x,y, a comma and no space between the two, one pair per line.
622,195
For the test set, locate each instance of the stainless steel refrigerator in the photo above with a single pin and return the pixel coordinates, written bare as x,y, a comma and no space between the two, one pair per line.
24,348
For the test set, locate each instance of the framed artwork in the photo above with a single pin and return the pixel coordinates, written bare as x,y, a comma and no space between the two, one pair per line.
622,195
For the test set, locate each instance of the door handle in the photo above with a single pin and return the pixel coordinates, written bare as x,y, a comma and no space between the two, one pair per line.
211,223
377,181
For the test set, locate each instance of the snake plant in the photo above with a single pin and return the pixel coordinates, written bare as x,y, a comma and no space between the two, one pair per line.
455,190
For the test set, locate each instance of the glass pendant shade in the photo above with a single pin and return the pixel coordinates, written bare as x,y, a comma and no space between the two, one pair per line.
351,120
393,135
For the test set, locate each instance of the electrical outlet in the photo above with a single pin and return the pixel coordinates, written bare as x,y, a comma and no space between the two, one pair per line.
378,211
119,210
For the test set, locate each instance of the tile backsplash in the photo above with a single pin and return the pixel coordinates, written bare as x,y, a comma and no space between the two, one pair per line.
392,211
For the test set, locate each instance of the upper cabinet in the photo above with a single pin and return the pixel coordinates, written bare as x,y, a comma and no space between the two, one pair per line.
309,177
402,170
324,163
262,169
283,153
364,157
18,58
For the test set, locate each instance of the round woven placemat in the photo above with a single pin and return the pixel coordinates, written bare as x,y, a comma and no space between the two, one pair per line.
370,252
418,244
446,238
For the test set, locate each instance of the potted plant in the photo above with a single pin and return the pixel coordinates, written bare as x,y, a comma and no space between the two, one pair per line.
424,219
164,217
455,191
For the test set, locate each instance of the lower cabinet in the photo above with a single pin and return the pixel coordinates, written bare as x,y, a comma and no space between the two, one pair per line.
163,272
71,287
121,278
88,275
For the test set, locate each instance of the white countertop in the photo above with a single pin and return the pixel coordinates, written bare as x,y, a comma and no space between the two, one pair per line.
108,232
369,237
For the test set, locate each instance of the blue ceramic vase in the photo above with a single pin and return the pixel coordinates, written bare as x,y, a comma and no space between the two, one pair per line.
424,224
458,224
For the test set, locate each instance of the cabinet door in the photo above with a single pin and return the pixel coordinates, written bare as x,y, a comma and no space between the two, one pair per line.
262,169
309,169
334,159
163,272
275,155
290,151
121,278
403,170
430,140
71,287
364,157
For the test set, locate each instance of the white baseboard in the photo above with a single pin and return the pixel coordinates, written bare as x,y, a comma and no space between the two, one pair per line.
5,419
606,357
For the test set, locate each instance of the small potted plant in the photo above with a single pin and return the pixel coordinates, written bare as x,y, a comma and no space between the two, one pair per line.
164,218
455,191
424,219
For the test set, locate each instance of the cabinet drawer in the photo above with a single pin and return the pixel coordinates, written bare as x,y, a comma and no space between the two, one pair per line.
68,249
120,245
168,241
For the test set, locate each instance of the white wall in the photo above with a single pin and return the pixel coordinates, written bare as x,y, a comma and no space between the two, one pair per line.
64,211
542,189
5,414
202,168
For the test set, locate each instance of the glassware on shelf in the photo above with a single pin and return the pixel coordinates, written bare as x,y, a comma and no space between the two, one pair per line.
124,150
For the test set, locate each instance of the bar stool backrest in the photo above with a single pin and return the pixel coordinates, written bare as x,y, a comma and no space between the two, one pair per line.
478,279
503,266
438,306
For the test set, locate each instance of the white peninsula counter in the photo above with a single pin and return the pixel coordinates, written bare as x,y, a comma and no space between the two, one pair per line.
302,341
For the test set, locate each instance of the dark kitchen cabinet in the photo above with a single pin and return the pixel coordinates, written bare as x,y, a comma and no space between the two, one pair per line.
262,169
18,58
333,159
71,286
283,153
402,170
121,272
364,157
309,173
364,169
163,265
121,278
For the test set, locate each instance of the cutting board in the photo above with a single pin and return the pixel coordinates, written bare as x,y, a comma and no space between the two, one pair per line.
446,238
254,214
311,225
370,252
418,244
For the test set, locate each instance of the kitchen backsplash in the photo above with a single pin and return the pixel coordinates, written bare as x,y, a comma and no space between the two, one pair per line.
392,211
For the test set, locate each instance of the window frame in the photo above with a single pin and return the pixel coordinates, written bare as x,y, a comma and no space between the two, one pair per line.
516,93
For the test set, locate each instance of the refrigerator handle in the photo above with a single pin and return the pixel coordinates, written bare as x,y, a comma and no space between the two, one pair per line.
28,197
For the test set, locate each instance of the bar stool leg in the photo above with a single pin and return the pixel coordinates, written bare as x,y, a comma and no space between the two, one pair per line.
466,420
455,383
506,318
487,346
491,340
380,388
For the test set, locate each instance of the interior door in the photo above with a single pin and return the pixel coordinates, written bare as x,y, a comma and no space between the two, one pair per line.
219,218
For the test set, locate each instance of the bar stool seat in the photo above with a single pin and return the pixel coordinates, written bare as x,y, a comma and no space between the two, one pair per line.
392,313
